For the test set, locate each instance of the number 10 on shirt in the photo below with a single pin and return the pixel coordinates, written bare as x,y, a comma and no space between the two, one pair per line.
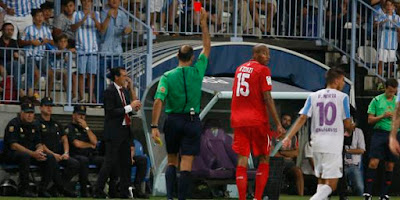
241,81
323,113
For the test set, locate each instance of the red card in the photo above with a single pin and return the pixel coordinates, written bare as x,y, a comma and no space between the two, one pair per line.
197,6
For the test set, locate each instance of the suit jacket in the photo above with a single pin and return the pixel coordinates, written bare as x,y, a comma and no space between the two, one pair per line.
114,113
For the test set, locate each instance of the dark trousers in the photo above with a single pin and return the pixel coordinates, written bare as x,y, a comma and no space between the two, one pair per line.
23,160
117,163
84,162
71,167
141,167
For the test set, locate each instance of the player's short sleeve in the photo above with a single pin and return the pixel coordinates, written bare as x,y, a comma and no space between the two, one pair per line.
308,151
162,89
346,107
201,64
306,110
266,79
372,106
11,134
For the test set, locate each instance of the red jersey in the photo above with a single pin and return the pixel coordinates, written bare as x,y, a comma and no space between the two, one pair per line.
248,107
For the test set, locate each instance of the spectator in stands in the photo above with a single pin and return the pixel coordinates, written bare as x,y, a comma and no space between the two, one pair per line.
389,23
310,17
36,4
352,160
380,112
83,144
141,167
85,24
63,22
155,9
47,9
267,8
36,37
115,25
23,147
55,143
170,8
290,169
59,66
18,13
8,58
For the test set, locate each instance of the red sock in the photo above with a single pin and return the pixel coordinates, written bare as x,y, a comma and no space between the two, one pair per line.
261,179
241,181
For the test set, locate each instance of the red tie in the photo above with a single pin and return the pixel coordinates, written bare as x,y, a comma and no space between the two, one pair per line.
127,119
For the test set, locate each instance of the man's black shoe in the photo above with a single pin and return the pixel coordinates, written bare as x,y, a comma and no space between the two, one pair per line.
139,194
68,193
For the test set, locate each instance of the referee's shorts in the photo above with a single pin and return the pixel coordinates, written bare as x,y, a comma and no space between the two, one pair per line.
182,134
379,147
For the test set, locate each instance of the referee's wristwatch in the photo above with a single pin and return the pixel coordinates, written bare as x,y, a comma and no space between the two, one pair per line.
153,126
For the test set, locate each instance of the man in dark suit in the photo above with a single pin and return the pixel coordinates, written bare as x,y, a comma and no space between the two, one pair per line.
119,102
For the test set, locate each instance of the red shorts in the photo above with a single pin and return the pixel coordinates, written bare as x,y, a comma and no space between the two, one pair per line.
255,137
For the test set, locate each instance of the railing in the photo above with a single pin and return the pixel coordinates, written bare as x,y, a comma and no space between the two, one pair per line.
57,74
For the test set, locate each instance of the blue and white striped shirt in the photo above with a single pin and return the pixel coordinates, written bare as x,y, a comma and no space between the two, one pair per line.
37,3
388,32
33,33
86,35
21,7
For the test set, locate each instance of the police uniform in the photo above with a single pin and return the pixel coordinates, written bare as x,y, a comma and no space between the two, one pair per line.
85,156
27,135
51,133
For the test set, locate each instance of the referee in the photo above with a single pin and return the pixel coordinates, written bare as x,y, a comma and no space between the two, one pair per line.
180,89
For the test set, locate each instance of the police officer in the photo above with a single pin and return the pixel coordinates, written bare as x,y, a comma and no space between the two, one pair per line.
83,143
55,142
180,89
23,147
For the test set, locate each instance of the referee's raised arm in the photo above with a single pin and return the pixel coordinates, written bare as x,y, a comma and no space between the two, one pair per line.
206,34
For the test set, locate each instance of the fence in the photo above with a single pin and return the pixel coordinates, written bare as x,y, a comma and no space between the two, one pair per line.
55,73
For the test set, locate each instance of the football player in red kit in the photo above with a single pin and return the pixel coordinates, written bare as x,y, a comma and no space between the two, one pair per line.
251,105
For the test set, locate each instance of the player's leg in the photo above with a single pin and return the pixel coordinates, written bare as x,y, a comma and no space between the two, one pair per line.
170,174
387,181
330,171
377,151
241,146
262,176
261,145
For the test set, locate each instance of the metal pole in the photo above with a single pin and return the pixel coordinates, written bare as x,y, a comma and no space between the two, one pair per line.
235,37
149,56
353,40
69,107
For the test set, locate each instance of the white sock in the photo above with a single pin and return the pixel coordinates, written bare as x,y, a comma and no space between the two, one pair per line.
323,192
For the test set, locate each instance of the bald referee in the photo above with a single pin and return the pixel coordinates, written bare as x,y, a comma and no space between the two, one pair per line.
180,89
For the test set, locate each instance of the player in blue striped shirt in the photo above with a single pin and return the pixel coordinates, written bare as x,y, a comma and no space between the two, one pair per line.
18,13
389,24
36,37
86,24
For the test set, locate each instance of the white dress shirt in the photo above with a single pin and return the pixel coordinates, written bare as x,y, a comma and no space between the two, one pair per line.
128,107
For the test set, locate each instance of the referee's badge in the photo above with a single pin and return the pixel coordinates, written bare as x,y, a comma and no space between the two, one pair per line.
162,89
269,80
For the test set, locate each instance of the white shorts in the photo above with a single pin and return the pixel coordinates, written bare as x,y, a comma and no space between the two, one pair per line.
328,165
386,55
156,5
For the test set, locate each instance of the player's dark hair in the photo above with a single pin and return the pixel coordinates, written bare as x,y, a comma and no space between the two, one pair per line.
115,72
185,53
34,12
66,2
332,74
391,82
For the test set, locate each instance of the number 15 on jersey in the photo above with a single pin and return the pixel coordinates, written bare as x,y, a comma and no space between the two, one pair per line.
243,87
